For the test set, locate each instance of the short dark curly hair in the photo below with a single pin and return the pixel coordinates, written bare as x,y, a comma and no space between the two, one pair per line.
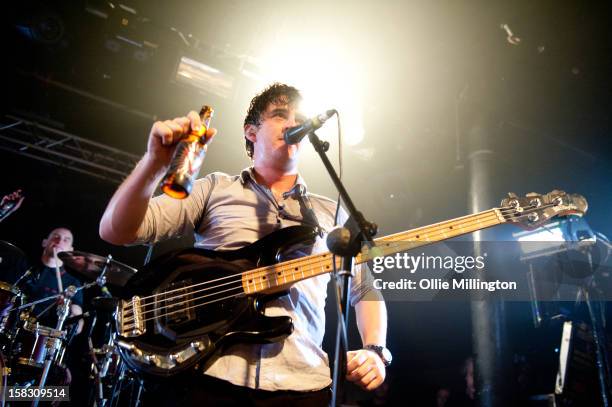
275,93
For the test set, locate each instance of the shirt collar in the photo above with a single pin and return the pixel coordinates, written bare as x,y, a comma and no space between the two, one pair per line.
248,173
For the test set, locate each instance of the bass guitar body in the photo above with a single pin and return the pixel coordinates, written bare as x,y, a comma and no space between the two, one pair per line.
187,305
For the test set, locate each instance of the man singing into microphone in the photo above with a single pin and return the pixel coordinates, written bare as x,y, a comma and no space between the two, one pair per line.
229,212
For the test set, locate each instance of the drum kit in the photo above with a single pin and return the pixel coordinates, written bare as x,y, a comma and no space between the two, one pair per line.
32,354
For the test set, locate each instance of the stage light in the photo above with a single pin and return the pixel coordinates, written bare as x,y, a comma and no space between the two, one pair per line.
551,233
205,77
572,233
46,27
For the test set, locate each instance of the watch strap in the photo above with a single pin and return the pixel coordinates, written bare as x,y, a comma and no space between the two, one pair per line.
382,352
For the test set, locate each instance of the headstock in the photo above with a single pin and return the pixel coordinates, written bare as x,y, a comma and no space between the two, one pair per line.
534,210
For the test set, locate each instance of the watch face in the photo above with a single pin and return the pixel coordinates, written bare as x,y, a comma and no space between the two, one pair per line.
383,352
387,355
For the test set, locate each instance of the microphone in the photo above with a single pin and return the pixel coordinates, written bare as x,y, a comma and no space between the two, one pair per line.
294,135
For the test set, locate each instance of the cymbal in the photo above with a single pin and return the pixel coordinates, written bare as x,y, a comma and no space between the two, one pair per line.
12,259
9,249
87,266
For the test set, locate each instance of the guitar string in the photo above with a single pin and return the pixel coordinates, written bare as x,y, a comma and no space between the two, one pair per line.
240,286
194,306
197,305
320,263
295,261
229,289
294,264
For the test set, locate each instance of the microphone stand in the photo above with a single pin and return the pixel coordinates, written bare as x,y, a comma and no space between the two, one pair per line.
347,249
27,273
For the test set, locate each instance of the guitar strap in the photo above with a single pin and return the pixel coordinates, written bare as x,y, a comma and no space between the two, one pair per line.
307,211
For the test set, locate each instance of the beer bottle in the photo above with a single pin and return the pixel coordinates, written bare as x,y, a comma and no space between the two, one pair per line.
187,159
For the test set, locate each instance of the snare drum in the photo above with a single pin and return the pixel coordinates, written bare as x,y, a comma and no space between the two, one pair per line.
34,341
8,297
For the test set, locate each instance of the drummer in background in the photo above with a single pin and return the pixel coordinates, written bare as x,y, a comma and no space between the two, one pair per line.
44,282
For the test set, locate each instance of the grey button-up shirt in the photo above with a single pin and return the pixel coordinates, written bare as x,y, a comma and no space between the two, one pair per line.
229,212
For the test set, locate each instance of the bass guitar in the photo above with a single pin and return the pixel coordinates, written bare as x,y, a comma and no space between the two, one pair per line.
187,305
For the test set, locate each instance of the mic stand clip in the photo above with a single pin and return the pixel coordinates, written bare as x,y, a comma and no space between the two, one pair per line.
344,242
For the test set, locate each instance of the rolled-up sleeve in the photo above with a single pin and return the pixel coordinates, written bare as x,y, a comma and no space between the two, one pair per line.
168,217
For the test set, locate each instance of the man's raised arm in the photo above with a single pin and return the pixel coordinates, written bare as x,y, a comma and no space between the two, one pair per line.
127,208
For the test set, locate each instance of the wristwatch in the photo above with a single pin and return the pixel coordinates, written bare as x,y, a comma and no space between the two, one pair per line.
384,353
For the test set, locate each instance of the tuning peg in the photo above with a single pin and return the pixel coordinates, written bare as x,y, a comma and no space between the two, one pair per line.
581,202
556,192
512,195
534,199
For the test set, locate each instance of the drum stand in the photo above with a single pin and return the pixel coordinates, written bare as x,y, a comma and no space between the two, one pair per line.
63,310
53,346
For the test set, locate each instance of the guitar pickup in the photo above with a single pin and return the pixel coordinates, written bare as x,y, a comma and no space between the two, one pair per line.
178,304
174,309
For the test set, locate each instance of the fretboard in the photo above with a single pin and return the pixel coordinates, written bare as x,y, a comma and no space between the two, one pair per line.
279,276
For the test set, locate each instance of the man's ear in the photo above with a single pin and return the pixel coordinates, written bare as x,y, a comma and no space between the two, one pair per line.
250,132
44,242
